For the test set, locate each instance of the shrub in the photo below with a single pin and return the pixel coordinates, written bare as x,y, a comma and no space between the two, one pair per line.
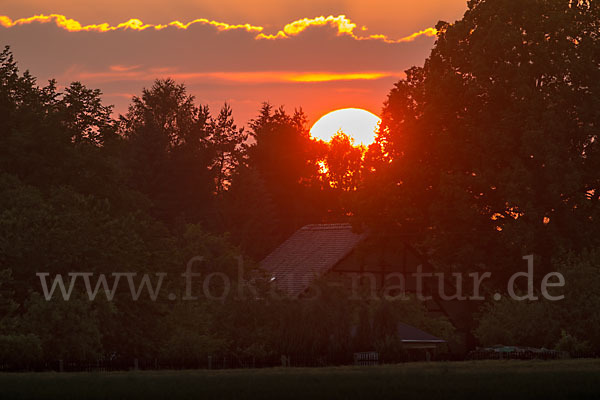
19,351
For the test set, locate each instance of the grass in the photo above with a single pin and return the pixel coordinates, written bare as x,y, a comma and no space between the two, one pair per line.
578,379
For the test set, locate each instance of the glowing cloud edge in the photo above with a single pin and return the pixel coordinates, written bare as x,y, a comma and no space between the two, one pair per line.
344,26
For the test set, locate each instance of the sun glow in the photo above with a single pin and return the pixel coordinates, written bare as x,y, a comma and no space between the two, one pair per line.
360,125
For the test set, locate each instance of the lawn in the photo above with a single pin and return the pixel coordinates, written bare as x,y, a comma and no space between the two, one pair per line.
577,379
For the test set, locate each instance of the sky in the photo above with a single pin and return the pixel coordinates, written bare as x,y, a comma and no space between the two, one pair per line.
320,55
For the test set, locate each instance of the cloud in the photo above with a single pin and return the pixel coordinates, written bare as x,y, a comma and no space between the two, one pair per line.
123,68
317,63
396,18
135,24
331,76
134,73
341,23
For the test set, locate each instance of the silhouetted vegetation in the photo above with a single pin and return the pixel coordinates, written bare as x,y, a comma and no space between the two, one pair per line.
487,152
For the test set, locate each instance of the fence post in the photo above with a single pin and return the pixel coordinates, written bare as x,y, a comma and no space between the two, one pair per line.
209,362
135,364
61,366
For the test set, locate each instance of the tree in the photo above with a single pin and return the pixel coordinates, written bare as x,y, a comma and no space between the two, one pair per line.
285,157
572,322
342,163
249,214
280,172
227,140
168,151
489,151
68,330
73,127
7,304
84,114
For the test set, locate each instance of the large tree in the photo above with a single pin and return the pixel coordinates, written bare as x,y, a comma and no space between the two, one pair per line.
280,170
489,151
169,153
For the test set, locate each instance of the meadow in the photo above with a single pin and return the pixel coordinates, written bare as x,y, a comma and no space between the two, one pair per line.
509,379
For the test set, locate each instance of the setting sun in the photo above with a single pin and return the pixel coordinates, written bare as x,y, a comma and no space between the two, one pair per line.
360,125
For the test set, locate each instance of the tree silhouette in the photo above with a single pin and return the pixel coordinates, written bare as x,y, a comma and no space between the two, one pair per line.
489,150
342,163
227,141
85,115
169,152
285,158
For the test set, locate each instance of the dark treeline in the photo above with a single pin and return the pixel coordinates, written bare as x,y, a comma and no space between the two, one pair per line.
147,192
486,153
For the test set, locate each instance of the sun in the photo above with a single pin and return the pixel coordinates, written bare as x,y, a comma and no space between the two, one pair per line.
360,125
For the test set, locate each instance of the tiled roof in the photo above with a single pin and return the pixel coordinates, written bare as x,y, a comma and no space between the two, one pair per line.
308,253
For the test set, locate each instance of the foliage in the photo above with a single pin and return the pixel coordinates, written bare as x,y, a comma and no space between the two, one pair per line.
20,351
569,323
276,186
249,214
66,329
342,163
227,140
513,323
571,344
488,151
189,347
169,156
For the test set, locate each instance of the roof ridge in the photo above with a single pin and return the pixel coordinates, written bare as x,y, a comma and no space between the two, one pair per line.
343,225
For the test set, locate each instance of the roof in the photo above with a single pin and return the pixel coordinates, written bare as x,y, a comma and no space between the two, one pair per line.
410,334
310,252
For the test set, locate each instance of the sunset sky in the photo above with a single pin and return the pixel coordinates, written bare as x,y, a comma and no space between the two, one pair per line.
318,54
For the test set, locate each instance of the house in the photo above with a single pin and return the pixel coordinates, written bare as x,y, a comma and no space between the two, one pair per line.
336,252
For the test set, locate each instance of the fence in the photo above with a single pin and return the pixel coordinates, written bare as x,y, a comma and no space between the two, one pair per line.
527,354
215,362
366,358
219,362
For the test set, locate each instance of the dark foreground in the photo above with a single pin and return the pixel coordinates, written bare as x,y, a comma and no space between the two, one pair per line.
578,379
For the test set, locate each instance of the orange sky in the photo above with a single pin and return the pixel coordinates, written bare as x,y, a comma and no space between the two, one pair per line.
320,55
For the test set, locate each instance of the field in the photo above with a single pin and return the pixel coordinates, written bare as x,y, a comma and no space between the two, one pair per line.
577,379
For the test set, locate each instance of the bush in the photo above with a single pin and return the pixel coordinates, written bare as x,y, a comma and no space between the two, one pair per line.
539,323
19,351
190,347
571,344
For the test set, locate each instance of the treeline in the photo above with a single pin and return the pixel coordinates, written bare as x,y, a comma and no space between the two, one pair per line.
146,193
486,153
